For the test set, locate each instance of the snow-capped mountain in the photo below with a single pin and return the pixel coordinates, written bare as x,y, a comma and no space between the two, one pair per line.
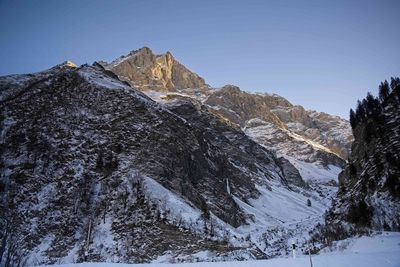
94,170
316,143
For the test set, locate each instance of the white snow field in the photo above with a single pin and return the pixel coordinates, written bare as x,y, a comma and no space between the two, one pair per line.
380,250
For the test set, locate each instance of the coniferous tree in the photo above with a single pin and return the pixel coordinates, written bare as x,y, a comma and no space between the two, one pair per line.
353,119
100,161
364,105
394,82
360,213
360,111
370,131
204,209
370,103
353,169
377,107
384,90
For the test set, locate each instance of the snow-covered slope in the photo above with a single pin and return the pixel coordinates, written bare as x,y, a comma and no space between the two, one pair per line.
93,169
378,250
315,145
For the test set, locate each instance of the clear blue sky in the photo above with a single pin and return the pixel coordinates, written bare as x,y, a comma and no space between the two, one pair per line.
321,54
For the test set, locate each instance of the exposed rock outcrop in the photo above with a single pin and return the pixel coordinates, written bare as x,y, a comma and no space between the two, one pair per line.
147,71
309,136
239,106
288,130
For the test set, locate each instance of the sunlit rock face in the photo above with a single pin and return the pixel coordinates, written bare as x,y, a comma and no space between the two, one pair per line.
308,136
147,71
326,133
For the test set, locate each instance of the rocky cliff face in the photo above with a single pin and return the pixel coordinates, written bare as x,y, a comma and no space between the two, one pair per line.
240,107
288,130
310,140
92,169
147,71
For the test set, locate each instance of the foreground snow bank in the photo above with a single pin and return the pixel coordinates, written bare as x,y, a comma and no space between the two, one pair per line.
381,250
326,260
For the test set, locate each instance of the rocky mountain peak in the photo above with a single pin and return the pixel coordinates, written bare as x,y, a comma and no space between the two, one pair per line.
147,71
66,64
169,54
327,138
231,88
142,57
69,64
120,166
143,50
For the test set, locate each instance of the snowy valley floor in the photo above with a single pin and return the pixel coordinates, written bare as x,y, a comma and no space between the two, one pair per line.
380,250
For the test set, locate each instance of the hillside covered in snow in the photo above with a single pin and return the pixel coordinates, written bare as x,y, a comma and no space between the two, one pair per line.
140,161
377,250
94,170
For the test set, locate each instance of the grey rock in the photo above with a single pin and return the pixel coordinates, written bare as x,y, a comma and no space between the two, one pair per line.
147,71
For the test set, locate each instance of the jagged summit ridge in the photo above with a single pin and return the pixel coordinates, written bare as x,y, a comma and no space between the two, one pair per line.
271,120
147,71
69,63
287,129
66,64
